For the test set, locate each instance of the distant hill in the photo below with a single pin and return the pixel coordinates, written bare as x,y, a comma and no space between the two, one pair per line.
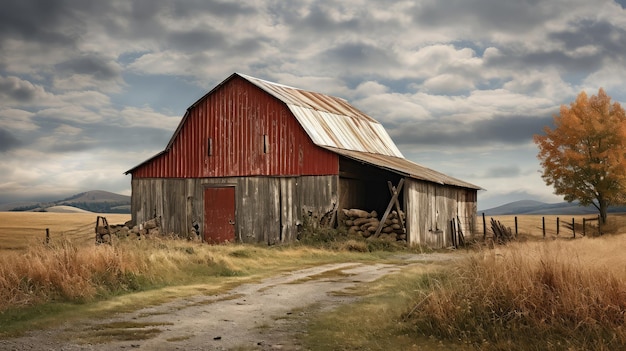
529,207
93,201
96,196
65,209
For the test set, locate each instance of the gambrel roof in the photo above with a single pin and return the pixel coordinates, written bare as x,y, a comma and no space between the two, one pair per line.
332,123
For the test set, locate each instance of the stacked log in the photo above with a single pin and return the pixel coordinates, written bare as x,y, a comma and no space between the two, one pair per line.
365,224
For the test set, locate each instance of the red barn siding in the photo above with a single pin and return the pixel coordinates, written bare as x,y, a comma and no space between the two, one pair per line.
236,116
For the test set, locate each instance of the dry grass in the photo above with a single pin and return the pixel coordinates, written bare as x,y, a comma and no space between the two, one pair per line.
18,230
555,295
38,279
530,227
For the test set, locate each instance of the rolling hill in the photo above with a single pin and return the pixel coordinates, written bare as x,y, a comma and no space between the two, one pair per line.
529,207
93,201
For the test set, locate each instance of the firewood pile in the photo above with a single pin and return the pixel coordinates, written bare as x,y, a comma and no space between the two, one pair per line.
365,224
149,227
105,231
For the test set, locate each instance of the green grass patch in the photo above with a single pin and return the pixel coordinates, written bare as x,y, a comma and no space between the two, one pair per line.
374,322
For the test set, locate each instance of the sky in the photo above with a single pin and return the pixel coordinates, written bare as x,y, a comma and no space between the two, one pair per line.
90,89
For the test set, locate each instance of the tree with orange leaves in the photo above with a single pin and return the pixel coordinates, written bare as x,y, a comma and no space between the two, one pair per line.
584,156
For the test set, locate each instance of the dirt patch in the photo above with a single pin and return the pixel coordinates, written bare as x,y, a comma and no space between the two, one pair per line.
263,316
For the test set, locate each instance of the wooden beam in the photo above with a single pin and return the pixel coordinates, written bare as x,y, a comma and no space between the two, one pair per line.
393,200
392,189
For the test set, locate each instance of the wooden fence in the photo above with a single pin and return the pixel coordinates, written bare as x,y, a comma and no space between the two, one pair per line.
563,227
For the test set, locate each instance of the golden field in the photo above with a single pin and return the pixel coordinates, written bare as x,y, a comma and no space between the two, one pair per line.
531,226
531,294
19,229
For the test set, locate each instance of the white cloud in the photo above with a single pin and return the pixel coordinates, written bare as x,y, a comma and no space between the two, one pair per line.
448,84
17,120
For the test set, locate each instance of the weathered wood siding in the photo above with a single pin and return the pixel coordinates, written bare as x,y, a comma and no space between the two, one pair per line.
430,207
268,209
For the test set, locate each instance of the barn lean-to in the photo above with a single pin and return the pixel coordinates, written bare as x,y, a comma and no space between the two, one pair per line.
254,161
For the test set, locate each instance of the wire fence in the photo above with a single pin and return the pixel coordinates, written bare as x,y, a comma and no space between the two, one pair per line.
553,226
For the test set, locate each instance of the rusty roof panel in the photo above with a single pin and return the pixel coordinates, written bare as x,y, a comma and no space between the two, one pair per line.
404,167
331,121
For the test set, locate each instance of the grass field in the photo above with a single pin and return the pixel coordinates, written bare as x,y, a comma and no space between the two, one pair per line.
20,229
531,226
532,294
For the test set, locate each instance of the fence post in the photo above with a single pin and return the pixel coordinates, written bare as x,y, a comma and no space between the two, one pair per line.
516,226
543,225
574,227
558,226
584,226
454,234
484,227
47,236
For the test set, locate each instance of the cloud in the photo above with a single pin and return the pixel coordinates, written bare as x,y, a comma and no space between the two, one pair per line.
498,130
503,172
14,90
97,66
7,140
85,82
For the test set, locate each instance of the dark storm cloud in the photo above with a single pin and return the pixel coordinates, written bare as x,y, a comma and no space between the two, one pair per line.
506,130
319,19
15,89
606,41
222,9
316,18
98,67
35,20
482,15
357,54
600,34
197,39
7,140
584,63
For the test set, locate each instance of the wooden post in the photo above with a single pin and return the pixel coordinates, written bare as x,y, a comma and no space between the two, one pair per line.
574,227
599,226
543,225
47,236
584,226
558,226
454,238
515,226
392,202
392,190
484,227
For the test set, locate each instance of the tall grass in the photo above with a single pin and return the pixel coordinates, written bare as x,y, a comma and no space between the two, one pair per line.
532,296
63,271
67,272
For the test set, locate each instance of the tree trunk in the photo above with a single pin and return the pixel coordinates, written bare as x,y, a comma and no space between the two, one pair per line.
603,207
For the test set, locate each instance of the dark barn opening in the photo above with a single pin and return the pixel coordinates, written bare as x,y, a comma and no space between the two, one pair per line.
365,186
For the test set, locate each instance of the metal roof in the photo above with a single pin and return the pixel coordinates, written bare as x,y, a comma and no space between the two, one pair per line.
330,121
404,167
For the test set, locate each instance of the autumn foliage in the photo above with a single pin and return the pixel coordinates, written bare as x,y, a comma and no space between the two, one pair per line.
583,157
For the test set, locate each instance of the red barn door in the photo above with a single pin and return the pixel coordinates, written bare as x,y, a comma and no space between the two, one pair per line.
219,215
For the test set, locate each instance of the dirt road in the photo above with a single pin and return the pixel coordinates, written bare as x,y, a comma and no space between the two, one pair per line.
263,316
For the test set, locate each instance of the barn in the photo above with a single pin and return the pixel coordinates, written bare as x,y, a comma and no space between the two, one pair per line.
254,162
